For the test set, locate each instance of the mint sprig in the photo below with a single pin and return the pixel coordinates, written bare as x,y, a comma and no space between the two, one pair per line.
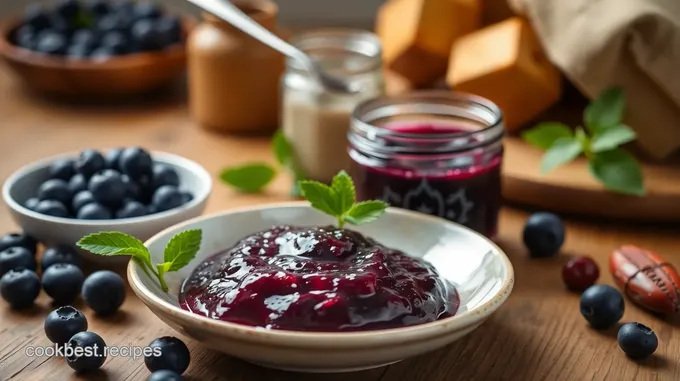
599,142
339,200
254,177
181,249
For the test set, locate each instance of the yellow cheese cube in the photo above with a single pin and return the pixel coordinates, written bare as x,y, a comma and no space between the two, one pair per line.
417,34
506,64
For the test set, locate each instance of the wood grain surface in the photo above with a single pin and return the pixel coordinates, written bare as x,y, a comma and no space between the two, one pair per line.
537,335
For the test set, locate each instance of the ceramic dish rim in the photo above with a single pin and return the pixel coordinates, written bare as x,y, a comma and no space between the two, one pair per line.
289,338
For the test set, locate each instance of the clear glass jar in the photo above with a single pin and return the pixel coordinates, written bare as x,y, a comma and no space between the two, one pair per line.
317,121
437,152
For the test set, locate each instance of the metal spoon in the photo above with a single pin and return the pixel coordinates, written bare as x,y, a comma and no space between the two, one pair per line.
234,16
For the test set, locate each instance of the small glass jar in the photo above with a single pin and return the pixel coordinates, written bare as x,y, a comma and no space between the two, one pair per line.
315,120
437,152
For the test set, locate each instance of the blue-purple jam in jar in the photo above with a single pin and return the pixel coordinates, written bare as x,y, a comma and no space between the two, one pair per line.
437,152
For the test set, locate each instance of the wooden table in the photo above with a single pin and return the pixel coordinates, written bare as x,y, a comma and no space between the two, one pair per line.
538,334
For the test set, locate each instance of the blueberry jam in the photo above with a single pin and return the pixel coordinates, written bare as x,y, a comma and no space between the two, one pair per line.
463,186
320,279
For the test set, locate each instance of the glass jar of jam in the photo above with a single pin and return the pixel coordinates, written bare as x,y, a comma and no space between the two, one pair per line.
315,120
436,152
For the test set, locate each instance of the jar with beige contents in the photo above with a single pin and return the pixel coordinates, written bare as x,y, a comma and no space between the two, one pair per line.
315,120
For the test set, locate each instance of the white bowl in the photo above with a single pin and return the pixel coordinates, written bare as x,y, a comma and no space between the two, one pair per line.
481,272
23,184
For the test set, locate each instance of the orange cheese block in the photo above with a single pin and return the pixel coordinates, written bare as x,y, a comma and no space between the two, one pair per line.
494,11
417,35
506,64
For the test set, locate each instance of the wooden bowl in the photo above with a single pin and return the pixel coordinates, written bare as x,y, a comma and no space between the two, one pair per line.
124,75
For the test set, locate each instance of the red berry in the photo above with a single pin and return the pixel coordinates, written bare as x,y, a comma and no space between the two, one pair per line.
580,273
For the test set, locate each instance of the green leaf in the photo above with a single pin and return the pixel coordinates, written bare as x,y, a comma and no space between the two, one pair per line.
606,111
181,249
321,196
365,212
283,150
114,244
618,171
544,135
249,178
344,189
612,137
562,151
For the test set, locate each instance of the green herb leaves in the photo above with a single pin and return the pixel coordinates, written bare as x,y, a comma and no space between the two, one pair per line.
339,201
181,249
615,168
254,177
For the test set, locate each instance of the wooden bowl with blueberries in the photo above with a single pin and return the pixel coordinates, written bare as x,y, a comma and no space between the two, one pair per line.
96,47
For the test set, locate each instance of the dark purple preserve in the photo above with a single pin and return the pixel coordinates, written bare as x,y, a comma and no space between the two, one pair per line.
446,167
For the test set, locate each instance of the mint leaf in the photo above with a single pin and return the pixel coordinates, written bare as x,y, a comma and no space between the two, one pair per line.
321,196
283,150
612,137
562,151
366,211
618,171
606,111
114,244
249,178
544,135
181,249
344,189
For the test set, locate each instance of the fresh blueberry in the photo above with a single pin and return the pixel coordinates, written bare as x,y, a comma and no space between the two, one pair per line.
55,189
112,156
150,209
132,189
602,306
61,169
77,183
94,211
187,197
25,37
81,199
104,292
102,54
543,234
164,375
59,254
164,174
67,9
637,340
64,322
20,288
52,208
62,282
90,162
170,28
108,187
77,52
92,354
136,163
51,42
61,26
147,36
36,17
116,41
146,10
174,355
112,22
167,197
132,209
31,203
19,239
96,7
16,257
84,37
123,8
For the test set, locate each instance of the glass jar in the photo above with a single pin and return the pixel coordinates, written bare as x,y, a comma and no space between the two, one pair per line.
316,121
437,152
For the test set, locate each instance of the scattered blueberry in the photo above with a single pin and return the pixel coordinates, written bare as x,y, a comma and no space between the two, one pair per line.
20,288
64,322
18,239
94,211
637,340
59,254
602,306
164,375
136,163
81,199
164,174
174,355
104,292
543,234
90,162
93,352
16,257
52,43
132,209
167,197
108,187
77,183
112,156
55,189
52,208
31,203
62,282
61,169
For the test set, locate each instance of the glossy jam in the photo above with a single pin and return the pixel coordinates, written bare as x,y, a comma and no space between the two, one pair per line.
317,279
468,192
